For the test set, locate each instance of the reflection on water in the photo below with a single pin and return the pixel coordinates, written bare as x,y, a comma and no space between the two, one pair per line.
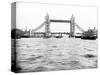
37,54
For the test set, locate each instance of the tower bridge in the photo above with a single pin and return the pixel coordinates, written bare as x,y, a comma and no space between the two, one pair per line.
49,33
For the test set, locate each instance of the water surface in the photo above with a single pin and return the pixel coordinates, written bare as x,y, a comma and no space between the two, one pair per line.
38,54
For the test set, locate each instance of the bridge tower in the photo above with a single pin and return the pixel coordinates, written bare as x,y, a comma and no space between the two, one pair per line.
72,26
47,25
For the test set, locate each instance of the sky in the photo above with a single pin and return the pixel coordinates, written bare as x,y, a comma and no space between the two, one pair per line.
31,15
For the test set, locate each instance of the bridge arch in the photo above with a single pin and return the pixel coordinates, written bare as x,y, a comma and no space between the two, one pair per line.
71,21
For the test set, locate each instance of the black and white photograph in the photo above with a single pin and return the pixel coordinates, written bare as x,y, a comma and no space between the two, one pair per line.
53,37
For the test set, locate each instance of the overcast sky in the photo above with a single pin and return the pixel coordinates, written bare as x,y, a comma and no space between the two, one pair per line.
31,15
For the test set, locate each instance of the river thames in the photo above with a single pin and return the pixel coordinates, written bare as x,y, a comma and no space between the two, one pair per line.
54,54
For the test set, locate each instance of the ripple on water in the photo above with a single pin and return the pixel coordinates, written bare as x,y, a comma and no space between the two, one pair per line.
74,63
54,46
88,49
34,58
40,68
28,46
89,56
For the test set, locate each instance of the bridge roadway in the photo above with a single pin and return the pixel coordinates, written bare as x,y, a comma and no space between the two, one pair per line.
60,21
52,34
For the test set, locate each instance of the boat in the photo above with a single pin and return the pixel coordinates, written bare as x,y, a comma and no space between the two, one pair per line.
77,36
58,36
91,34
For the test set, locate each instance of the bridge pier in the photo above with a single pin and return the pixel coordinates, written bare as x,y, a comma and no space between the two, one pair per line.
72,26
47,26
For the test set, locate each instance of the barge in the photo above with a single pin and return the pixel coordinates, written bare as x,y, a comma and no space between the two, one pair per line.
91,34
